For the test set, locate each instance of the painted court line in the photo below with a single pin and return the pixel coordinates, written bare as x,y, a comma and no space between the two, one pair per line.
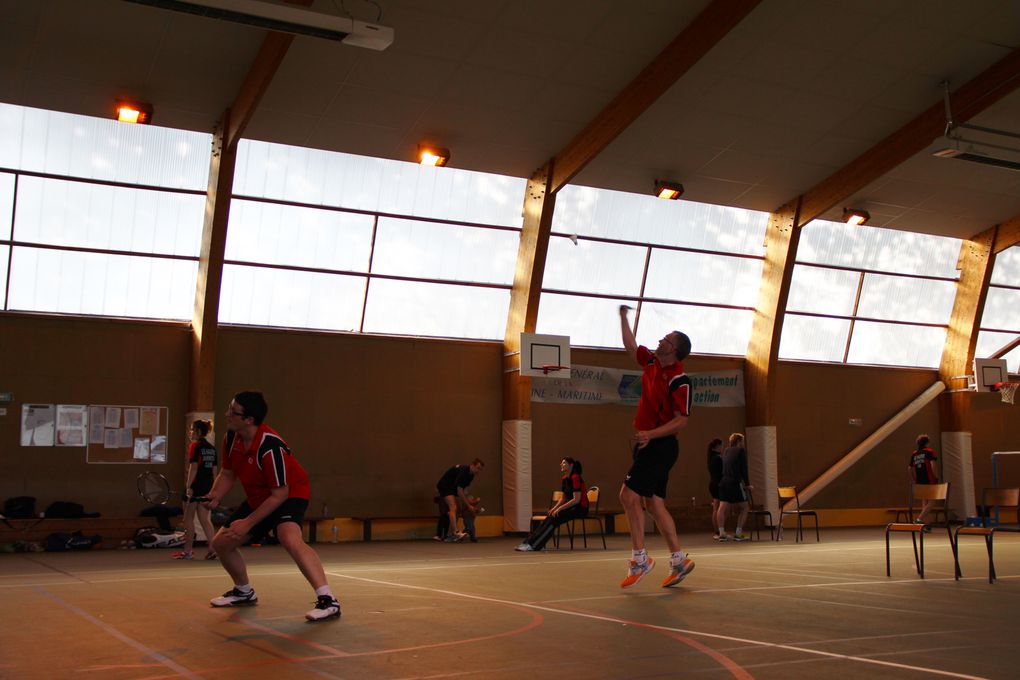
668,629
131,642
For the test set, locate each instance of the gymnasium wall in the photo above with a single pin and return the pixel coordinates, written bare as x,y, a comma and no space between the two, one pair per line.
377,419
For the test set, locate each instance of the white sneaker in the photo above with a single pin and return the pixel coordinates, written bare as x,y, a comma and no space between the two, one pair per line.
524,547
235,598
326,607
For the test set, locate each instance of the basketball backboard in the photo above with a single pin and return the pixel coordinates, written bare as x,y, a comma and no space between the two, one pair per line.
545,356
987,372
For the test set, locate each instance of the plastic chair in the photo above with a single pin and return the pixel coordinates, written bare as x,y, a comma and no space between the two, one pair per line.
788,493
592,516
997,499
756,514
919,492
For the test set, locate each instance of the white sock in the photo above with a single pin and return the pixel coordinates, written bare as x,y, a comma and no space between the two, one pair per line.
246,588
639,556
739,531
324,590
677,558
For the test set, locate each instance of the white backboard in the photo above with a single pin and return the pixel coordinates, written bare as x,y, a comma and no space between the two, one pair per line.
539,351
987,372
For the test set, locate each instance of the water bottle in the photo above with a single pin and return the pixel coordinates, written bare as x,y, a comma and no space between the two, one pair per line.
325,510
336,534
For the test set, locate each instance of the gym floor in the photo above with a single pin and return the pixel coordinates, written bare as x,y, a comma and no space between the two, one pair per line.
429,610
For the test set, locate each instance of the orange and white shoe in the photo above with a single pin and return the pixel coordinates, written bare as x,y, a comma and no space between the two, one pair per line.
636,572
678,573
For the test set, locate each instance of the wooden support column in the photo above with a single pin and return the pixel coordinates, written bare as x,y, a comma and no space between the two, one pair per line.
223,159
782,237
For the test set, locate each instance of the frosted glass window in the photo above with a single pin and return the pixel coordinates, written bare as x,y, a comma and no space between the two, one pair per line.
811,338
678,275
593,267
344,180
989,343
440,310
269,233
6,204
1007,267
902,299
647,219
77,214
896,345
1002,309
100,148
822,291
5,253
44,280
444,251
590,322
711,330
293,299
901,252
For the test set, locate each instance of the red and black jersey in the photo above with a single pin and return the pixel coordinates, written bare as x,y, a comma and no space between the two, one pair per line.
571,484
924,471
666,391
266,465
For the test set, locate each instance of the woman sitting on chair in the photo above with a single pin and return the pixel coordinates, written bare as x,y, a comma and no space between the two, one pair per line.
572,505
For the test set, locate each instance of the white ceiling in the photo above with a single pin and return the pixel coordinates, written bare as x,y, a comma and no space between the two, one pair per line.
796,91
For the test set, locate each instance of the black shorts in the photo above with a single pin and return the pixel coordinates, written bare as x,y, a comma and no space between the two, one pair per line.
713,490
732,491
199,490
291,510
649,474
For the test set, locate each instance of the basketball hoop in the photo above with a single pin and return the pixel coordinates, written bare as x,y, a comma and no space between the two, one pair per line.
1008,390
546,368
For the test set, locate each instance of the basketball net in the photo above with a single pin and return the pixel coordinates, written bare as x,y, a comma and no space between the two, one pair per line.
1008,390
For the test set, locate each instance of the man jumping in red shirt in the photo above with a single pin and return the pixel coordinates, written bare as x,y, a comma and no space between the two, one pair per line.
663,410
277,492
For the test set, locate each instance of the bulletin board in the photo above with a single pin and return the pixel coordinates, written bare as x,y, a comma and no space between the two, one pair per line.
127,434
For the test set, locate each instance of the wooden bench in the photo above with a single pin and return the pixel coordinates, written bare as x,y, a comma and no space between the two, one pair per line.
112,529
366,523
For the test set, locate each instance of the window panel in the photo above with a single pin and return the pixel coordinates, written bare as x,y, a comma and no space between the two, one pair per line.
269,233
359,182
292,299
990,343
822,291
896,345
5,253
697,277
810,338
6,204
1002,309
444,251
590,322
902,299
647,219
593,267
711,330
441,310
77,214
100,148
45,280
886,250
1006,271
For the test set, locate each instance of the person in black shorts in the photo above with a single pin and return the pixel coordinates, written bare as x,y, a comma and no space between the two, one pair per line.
451,488
922,471
732,487
201,471
714,475
663,410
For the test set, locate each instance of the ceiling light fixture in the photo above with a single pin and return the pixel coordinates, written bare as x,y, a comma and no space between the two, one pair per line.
856,217
433,155
668,190
133,112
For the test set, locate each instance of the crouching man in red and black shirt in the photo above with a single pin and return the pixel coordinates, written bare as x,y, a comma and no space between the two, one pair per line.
276,497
